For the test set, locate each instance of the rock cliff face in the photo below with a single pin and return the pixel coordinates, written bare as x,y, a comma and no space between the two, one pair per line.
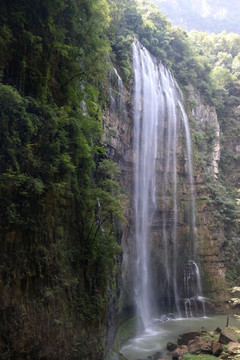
117,125
207,125
117,136
205,131
207,151
39,316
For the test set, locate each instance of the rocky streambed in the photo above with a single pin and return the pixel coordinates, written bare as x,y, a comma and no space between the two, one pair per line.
204,345
163,342
221,343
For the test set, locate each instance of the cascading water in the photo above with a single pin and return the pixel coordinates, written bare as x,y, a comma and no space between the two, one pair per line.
145,131
193,302
159,124
116,94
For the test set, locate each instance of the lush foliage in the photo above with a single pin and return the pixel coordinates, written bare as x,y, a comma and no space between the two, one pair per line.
47,47
199,357
171,45
221,52
59,193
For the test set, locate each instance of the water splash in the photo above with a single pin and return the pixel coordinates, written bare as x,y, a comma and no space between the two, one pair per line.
194,303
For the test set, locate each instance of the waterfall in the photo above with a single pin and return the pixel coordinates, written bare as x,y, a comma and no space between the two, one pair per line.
165,269
116,95
145,136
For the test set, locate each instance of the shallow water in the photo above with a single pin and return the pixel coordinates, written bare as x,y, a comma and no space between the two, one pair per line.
156,336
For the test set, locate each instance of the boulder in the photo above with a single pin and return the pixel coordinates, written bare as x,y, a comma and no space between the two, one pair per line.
184,338
235,302
235,291
178,353
234,348
217,349
224,356
200,345
237,317
229,334
171,346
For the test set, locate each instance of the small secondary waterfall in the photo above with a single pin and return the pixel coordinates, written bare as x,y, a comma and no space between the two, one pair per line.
116,95
170,280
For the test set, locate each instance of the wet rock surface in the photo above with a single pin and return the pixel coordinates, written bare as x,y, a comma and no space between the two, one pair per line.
234,348
229,334
236,291
223,344
171,346
179,352
184,338
200,345
217,349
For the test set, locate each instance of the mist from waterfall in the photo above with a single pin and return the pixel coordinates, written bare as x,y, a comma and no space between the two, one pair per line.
159,119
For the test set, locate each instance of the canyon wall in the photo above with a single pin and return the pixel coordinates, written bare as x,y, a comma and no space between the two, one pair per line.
205,133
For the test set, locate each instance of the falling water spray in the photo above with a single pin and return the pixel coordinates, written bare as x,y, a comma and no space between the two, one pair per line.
158,119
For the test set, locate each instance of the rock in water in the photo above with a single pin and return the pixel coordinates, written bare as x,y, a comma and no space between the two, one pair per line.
184,338
171,346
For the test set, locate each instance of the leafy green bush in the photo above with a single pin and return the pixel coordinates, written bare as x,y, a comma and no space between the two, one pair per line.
198,357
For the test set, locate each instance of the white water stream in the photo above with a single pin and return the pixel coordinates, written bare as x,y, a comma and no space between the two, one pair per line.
159,119
167,278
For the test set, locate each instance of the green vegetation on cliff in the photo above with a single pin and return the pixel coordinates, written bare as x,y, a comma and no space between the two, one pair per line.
59,194
222,54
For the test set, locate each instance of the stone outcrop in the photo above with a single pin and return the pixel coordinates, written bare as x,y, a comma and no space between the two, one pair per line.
117,137
178,353
229,334
234,348
217,349
235,300
225,348
207,124
235,292
184,338
171,346
207,150
200,346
